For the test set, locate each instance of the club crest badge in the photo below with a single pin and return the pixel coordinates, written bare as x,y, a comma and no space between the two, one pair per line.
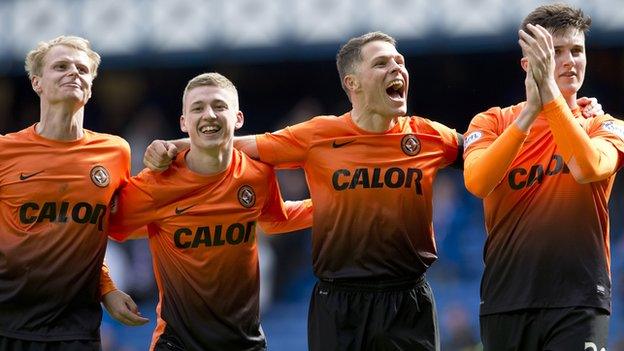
100,176
246,196
410,145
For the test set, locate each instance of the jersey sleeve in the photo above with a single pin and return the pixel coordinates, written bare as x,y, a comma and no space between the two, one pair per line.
453,144
106,282
126,163
299,217
135,207
274,209
286,148
611,130
488,154
589,158
482,131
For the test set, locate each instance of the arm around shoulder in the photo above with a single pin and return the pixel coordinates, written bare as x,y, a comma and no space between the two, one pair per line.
248,145
299,215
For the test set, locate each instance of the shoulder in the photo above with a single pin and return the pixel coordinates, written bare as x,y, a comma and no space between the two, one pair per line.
108,141
424,125
319,122
111,139
247,163
17,141
497,116
605,123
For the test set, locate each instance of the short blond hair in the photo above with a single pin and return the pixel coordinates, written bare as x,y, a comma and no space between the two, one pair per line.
212,79
34,59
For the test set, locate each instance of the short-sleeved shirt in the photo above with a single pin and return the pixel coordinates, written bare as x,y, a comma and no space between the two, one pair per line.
54,200
372,192
202,235
548,235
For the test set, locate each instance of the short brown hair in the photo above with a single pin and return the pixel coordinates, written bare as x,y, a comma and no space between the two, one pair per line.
350,54
212,79
557,18
34,59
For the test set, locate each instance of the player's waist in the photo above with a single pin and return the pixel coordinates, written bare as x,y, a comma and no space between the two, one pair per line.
372,284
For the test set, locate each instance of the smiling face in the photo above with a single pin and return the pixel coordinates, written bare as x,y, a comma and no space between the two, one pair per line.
66,76
380,81
210,116
570,61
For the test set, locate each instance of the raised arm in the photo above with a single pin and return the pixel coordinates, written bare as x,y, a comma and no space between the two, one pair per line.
589,159
484,168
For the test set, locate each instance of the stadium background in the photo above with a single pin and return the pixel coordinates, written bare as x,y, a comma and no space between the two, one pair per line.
462,56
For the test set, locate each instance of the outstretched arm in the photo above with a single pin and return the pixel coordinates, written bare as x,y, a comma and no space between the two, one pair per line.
160,153
248,145
299,217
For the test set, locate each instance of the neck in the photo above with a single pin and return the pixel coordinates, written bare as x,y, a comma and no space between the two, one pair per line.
371,121
60,122
209,161
571,101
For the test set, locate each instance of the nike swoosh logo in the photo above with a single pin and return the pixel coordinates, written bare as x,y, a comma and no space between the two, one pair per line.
337,145
26,176
180,210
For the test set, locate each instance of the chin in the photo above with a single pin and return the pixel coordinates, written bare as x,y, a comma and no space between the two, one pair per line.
399,112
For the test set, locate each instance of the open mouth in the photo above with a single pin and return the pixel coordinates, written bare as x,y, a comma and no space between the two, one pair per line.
396,89
211,129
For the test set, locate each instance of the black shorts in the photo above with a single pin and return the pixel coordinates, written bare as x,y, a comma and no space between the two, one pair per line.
553,329
364,315
10,344
169,341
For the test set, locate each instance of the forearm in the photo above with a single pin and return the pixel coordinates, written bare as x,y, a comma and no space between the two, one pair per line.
106,282
485,168
247,144
589,160
299,217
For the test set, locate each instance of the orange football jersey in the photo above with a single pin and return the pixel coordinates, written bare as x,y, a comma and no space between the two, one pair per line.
372,192
548,235
54,200
202,234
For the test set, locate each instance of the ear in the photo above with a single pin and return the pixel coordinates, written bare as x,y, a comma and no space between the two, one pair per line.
524,63
351,82
36,85
240,119
183,124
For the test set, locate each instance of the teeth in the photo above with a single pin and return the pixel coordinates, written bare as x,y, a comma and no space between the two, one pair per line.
209,129
396,84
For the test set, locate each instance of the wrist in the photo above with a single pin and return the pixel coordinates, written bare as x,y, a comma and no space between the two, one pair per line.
549,92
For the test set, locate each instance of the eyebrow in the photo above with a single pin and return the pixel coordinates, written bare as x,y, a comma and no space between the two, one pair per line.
385,57
574,46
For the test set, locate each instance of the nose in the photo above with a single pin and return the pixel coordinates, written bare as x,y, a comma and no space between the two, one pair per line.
394,66
567,59
73,70
209,114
